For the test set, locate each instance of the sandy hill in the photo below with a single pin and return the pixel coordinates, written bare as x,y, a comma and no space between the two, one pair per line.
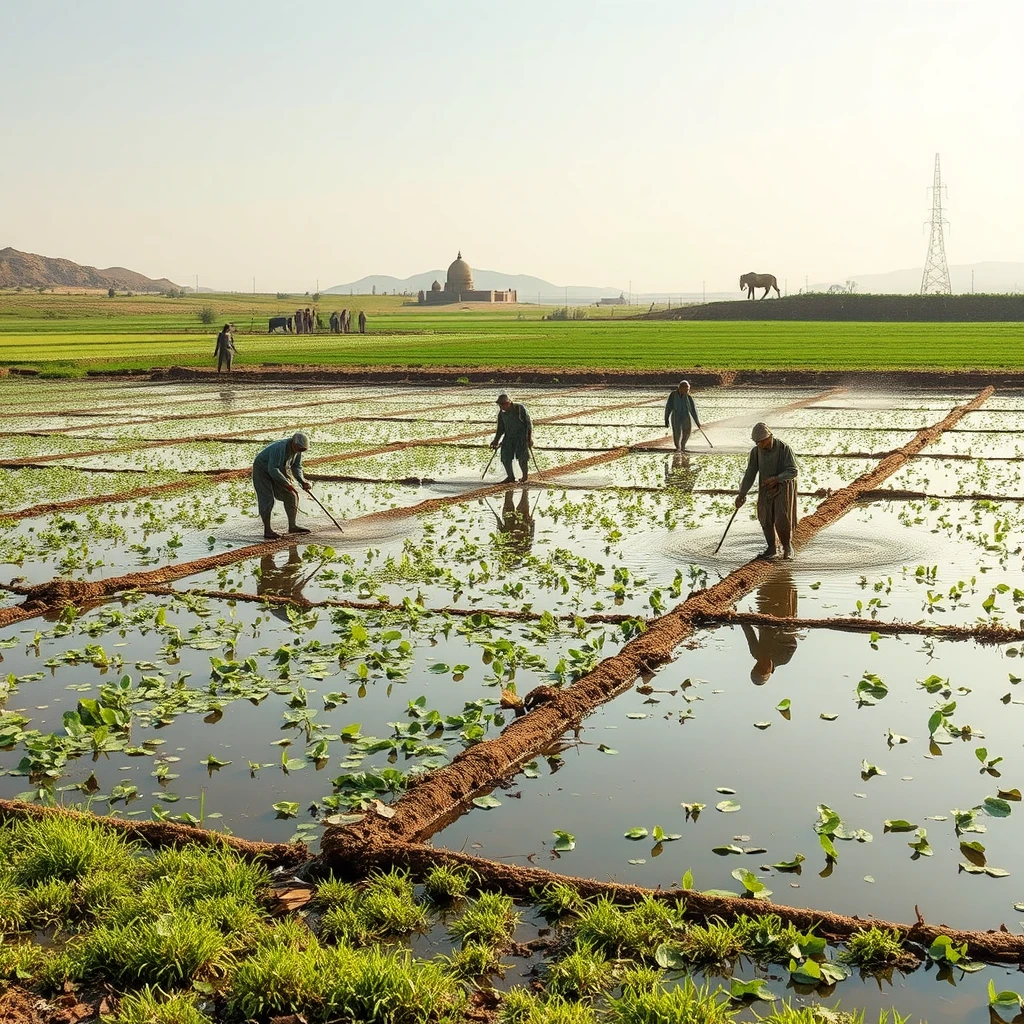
28,270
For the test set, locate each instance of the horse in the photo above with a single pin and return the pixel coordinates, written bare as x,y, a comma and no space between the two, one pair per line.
749,282
283,323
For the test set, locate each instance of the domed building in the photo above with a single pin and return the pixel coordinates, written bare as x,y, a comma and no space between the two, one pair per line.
458,287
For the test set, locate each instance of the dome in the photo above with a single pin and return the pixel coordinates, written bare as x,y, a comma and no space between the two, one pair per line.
460,277
436,286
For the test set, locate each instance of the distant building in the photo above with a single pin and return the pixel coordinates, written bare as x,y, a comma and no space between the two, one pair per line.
459,288
620,301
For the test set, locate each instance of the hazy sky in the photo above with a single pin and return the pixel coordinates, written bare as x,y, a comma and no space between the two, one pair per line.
585,142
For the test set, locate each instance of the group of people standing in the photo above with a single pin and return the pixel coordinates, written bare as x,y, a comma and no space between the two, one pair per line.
341,323
277,470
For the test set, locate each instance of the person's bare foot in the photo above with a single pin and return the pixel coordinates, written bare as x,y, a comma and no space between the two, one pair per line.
297,529
270,535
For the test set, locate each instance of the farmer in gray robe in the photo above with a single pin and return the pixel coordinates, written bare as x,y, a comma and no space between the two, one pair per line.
680,410
275,472
772,460
224,350
514,433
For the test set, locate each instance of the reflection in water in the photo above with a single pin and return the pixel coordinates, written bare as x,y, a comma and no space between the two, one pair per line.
680,475
516,523
284,580
227,396
772,646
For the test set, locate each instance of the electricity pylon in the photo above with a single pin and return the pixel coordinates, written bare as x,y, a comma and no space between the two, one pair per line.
935,279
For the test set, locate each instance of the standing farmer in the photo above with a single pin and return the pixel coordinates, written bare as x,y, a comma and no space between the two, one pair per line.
681,410
515,435
275,472
772,460
362,322
224,350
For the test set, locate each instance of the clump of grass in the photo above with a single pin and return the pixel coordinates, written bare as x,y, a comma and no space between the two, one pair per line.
153,1007
386,906
556,900
712,944
639,978
65,849
582,974
473,960
169,951
767,938
386,911
786,1013
446,884
489,919
329,984
333,893
195,873
519,1006
49,904
21,961
635,932
874,947
12,905
685,1004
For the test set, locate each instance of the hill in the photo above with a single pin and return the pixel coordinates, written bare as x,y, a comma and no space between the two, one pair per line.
990,277
29,270
530,288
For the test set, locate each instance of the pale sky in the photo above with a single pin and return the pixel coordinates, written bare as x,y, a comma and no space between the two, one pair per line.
667,143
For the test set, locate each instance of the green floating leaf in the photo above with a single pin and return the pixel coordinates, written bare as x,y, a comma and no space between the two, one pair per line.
723,851
756,989
997,807
487,802
828,716
605,749
790,865
659,835
637,860
214,762
920,845
286,808
728,893
687,881
637,832
762,725
725,790
637,714
1005,794
670,958
727,806
869,878
784,705
1007,1004
899,825
868,771
564,841
754,886
996,872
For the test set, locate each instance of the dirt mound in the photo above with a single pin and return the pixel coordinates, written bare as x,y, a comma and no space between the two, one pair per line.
29,270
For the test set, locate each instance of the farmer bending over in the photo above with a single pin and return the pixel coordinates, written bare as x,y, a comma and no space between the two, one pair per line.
772,460
515,435
275,471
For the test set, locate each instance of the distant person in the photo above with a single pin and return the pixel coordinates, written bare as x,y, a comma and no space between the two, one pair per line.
680,411
362,322
345,321
275,472
307,321
773,461
300,322
333,322
514,433
224,349
772,646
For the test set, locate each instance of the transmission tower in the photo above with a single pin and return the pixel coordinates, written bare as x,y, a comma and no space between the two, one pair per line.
935,279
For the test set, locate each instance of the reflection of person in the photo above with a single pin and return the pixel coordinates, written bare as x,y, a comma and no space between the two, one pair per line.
517,523
680,410
224,349
514,433
281,580
275,471
773,646
679,474
772,460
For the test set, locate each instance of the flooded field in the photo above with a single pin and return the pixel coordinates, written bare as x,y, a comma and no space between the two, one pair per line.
826,734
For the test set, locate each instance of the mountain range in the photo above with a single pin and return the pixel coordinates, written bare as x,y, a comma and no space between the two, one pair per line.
29,270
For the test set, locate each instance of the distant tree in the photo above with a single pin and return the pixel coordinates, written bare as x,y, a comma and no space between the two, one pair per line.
374,292
110,292
315,296
207,315
283,295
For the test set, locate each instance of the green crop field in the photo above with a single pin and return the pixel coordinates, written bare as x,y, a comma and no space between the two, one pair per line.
68,334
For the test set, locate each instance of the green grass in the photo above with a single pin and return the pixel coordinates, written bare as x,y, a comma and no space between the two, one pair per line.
67,334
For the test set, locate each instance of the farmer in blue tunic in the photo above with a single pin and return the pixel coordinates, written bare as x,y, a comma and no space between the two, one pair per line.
275,472
680,410
515,435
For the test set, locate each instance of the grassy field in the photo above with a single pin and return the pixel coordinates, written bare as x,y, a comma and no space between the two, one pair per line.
67,334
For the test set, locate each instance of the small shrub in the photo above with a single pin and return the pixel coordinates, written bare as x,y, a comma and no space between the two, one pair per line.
333,893
713,944
21,961
49,904
557,899
473,960
519,1006
444,884
111,293
12,905
207,315
634,932
786,1013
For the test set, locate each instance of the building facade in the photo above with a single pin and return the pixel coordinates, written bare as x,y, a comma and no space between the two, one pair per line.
458,287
